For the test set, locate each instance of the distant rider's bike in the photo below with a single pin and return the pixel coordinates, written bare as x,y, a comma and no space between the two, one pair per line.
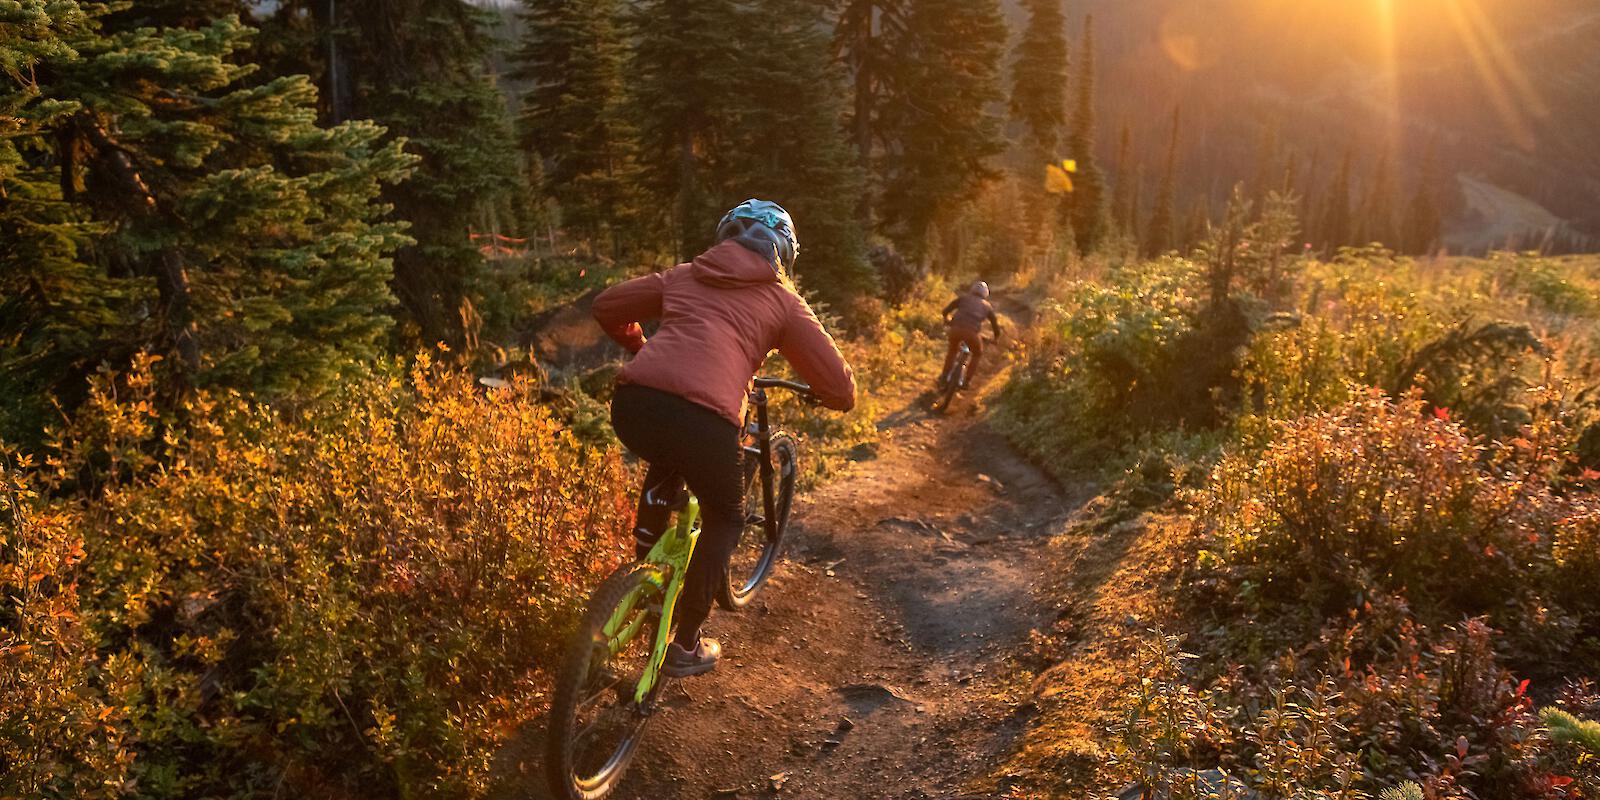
944,392
950,382
610,680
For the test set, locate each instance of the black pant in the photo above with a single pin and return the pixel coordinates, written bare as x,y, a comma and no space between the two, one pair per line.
686,442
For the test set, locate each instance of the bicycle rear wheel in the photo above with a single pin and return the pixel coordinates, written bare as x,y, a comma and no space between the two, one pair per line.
595,725
757,555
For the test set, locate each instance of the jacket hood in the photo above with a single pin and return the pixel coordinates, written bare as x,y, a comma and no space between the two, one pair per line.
730,264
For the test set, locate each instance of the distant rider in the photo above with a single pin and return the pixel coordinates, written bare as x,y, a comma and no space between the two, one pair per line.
680,402
964,319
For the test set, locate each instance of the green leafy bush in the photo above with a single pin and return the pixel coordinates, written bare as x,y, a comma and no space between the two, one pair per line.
1548,283
1101,365
1356,331
359,598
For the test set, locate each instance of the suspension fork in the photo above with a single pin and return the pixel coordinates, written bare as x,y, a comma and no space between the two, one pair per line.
764,441
761,430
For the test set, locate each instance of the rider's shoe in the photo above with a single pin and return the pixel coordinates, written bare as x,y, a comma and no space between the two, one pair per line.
681,663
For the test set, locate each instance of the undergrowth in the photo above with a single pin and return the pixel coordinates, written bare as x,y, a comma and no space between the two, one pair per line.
1393,557
360,597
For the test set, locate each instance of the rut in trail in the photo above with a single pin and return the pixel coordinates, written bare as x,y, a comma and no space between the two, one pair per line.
906,592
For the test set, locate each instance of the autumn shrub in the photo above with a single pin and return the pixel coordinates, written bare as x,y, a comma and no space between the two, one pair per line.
60,735
1375,702
358,599
1380,496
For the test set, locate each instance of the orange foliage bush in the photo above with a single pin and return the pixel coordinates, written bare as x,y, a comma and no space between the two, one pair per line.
1380,497
358,600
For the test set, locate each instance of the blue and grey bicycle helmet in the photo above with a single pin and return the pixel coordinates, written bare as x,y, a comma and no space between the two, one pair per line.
764,227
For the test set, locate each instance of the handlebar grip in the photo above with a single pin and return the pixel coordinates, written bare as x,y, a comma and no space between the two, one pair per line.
778,383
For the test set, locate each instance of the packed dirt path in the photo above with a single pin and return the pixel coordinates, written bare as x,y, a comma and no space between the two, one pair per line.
879,660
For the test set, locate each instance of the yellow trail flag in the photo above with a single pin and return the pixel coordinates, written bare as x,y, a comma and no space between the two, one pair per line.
1058,180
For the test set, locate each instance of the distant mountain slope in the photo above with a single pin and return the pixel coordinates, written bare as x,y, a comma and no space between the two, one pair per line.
1508,90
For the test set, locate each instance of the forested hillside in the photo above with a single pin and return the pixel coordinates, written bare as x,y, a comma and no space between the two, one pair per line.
1495,90
1280,481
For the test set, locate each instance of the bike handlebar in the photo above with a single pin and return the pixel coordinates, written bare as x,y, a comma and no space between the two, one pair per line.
778,383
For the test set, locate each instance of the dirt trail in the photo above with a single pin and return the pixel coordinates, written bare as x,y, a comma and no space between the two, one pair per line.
906,591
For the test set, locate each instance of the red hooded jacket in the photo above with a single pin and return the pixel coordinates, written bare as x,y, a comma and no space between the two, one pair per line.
721,314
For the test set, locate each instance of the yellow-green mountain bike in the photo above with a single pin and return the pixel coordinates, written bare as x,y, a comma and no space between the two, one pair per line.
610,678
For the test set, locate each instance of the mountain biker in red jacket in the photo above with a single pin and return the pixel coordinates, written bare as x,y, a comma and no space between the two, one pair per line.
680,401
964,318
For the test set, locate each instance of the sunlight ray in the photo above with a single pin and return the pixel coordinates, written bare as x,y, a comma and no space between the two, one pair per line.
1499,95
1510,68
1390,76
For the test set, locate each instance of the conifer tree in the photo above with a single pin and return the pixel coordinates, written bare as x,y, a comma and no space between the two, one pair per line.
684,75
1225,247
1122,184
1132,227
1290,182
863,37
572,115
1336,228
1424,222
1377,208
940,132
57,313
196,215
1267,172
1277,234
788,145
192,14
1195,228
1039,85
1161,236
1087,200
416,67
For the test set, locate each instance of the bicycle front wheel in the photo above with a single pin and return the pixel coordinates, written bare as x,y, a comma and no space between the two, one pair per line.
759,547
947,395
595,725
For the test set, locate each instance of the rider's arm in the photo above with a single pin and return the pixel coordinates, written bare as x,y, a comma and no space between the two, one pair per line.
621,308
950,309
994,322
812,353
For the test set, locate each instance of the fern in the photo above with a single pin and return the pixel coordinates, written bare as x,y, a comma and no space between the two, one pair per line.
1568,729
1409,790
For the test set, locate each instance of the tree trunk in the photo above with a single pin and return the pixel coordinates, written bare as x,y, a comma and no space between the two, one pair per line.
865,102
133,198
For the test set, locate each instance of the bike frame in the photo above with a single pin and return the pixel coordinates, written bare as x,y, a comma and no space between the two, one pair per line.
672,552
670,556
963,359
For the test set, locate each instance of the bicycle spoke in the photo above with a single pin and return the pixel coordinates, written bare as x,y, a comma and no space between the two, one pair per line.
583,732
600,693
